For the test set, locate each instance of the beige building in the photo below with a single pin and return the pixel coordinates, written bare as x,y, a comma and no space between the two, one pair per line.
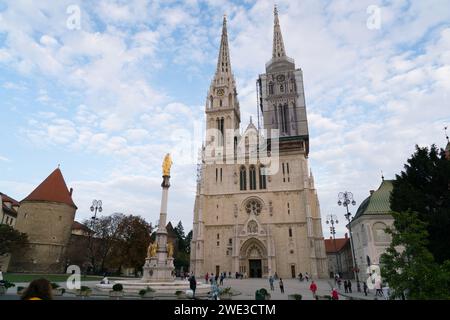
8,216
46,215
368,228
250,218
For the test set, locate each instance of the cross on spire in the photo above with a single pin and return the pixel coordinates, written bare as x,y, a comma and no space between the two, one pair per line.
278,44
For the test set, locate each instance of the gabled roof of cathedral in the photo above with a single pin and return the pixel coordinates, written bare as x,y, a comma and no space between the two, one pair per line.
53,189
378,202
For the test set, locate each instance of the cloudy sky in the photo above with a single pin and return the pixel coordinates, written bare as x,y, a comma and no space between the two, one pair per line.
106,88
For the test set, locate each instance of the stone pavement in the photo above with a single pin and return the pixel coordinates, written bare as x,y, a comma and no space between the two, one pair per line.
245,287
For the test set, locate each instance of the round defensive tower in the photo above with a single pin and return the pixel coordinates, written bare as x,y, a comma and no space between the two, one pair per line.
46,215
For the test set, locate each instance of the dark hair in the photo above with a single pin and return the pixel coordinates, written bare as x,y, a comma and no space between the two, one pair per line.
39,288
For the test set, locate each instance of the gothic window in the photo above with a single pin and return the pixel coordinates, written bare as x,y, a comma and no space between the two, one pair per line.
220,124
220,174
284,172
281,88
253,206
243,178
290,232
285,118
262,178
235,147
292,85
211,100
220,102
270,88
230,100
252,178
216,173
287,170
252,227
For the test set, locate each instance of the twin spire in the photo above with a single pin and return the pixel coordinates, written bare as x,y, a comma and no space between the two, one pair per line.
224,64
278,44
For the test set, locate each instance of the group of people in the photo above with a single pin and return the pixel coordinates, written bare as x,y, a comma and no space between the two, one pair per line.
218,278
301,277
280,283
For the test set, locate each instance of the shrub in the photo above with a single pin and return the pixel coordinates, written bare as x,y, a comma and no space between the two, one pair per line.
55,285
117,287
178,292
226,290
297,296
85,288
8,284
144,291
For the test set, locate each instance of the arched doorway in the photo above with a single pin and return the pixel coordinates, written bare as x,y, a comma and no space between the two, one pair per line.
253,258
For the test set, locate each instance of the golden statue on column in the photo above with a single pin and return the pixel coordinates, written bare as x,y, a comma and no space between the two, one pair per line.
167,163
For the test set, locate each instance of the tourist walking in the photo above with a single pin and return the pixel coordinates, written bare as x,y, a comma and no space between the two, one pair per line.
300,276
221,279
39,289
313,288
349,285
378,290
346,286
206,277
281,286
334,294
192,284
365,288
307,276
271,283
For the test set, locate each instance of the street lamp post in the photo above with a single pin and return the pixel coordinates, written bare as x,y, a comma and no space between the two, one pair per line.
345,199
332,220
95,207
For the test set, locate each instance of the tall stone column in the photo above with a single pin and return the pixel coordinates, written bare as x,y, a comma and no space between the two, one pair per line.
159,263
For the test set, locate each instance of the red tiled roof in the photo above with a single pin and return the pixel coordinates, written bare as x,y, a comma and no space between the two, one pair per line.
340,244
53,189
79,226
7,198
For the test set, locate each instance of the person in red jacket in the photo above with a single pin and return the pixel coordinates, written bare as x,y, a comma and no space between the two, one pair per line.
334,294
313,288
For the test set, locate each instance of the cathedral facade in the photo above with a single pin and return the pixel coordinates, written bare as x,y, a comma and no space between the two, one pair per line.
252,216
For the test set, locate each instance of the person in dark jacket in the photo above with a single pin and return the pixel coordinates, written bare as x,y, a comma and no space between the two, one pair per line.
345,286
193,284
349,285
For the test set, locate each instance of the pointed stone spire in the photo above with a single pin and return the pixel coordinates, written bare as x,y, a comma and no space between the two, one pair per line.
278,44
223,63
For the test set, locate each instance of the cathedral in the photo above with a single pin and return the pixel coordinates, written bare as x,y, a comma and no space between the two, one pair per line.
249,218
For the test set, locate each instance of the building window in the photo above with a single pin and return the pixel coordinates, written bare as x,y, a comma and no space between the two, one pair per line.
287,170
243,178
216,173
284,178
262,178
220,174
252,178
218,236
218,243
288,208
230,241
270,88
290,232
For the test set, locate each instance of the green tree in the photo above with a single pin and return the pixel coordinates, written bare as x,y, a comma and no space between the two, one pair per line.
103,234
188,242
424,187
408,266
132,241
11,239
181,237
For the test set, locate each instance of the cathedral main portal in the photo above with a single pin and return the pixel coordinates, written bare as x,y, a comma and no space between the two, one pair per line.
253,258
